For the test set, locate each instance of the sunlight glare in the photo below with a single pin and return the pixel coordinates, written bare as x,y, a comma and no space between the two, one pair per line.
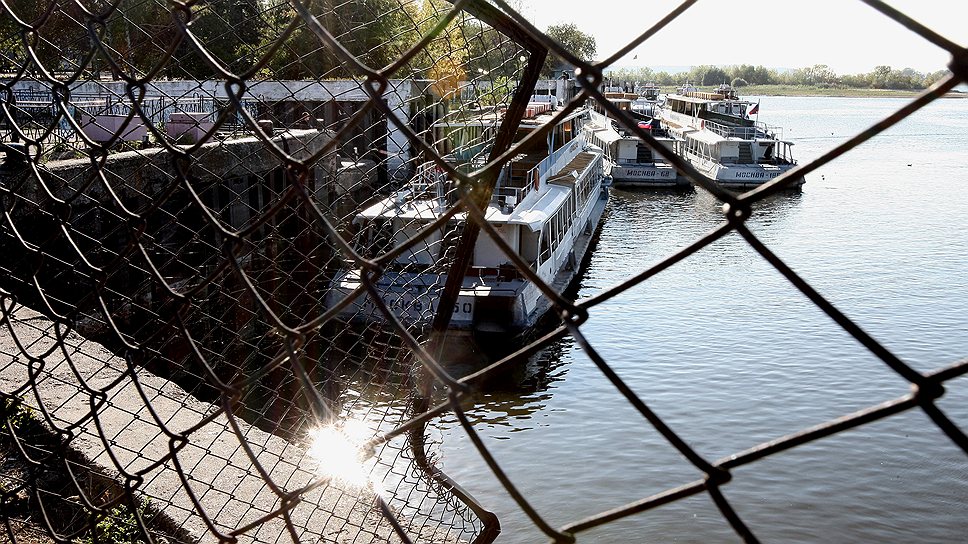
338,452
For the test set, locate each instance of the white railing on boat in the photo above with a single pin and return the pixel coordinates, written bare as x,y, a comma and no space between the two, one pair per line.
506,198
427,174
757,131
550,164
430,182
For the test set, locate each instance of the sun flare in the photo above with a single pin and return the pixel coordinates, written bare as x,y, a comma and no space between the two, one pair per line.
338,452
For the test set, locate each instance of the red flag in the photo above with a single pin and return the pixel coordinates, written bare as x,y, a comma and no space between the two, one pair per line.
755,109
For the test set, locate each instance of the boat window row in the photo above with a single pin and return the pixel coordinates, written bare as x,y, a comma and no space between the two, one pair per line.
607,147
685,107
588,184
555,229
561,221
702,150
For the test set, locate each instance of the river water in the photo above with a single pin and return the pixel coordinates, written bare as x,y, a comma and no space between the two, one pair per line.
730,355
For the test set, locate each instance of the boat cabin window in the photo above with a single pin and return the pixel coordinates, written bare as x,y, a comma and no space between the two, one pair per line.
687,108
545,247
529,245
768,153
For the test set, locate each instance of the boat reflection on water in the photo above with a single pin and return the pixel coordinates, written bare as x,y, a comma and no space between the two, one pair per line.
464,355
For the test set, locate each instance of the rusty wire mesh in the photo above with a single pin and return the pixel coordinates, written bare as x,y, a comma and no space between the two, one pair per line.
181,198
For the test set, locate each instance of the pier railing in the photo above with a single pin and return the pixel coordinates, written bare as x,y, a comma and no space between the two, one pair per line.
32,109
193,347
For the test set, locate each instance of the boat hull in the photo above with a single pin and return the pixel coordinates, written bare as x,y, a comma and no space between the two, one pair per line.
740,177
414,298
646,175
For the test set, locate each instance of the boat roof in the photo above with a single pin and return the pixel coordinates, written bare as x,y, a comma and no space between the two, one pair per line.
544,117
538,213
470,123
533,216
709,137
608,135
697,100
706,136
419,209
534,213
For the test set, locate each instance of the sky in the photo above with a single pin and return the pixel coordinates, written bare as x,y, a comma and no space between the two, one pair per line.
847,35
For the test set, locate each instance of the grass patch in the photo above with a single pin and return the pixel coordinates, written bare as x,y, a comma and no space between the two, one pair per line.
42,478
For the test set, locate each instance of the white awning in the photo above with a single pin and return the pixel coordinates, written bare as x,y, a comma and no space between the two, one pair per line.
608,135
537,214
706,136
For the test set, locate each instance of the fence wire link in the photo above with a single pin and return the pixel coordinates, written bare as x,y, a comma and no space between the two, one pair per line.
183,183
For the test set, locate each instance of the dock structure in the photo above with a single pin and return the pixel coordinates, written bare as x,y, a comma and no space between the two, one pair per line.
230,184
101,107
138,417
159,419
288,103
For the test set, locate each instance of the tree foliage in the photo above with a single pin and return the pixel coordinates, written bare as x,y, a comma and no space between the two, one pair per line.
235,35
574,40
819,75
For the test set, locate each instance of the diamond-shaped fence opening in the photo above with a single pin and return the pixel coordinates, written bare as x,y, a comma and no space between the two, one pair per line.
229,226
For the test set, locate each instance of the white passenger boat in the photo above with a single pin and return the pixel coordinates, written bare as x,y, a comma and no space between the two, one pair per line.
547,205
630,162
718,137
647,101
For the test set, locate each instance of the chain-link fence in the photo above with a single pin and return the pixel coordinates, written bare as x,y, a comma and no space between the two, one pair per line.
230,226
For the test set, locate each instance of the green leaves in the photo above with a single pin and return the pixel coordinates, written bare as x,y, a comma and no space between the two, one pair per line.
574,40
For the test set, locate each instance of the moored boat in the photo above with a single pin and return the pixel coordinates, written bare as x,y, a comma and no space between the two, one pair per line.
630,162
647,101
718,137
547,206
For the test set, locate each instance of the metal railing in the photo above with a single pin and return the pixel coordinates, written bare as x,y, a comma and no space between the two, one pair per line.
176,361
509,197
757,131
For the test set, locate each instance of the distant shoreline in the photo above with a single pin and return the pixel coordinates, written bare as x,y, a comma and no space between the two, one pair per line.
796,90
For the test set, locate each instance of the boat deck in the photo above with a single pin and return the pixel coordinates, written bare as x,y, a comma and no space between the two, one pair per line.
578,164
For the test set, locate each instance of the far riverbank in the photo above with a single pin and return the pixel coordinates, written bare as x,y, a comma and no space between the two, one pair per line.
809,90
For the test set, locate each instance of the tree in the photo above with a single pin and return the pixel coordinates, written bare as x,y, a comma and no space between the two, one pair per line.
714,76
574,40
444,60
745,72
880,77
59,43
934,77
490,54
763,76
229,30
375,31
665,78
